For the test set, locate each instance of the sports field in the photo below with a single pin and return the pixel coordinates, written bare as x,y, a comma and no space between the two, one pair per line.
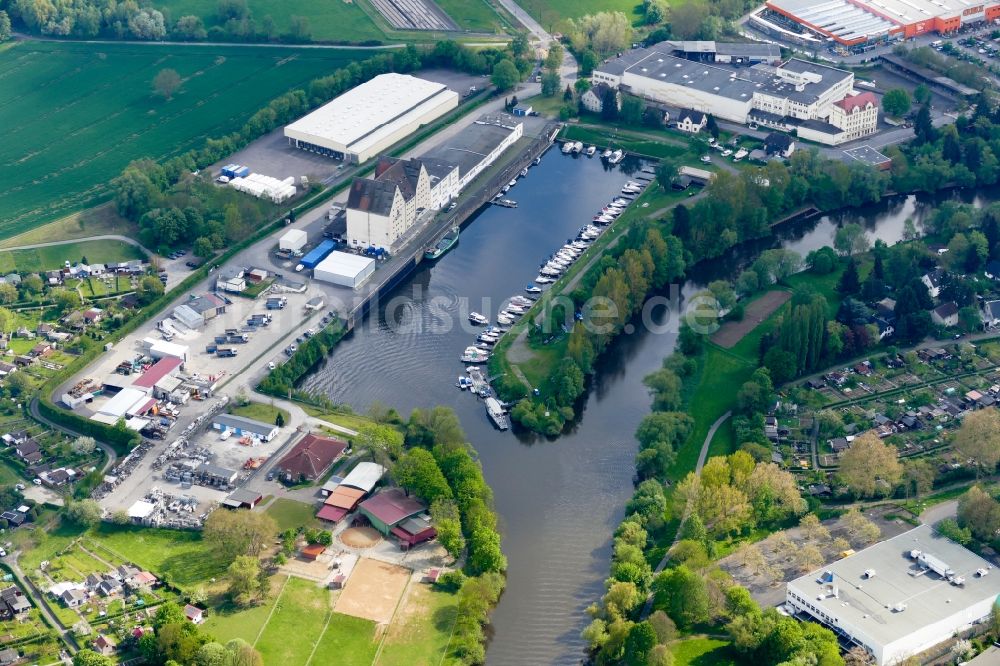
550,12
73,115
342,21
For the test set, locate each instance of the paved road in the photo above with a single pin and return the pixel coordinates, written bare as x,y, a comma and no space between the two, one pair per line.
38,599
938,512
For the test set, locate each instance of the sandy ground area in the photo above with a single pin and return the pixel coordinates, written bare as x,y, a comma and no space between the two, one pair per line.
373,590
360,537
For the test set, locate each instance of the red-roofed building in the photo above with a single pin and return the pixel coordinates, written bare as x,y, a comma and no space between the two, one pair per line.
313,551
165,367
413,531
310,458
855,116
390,508
340,502
194,614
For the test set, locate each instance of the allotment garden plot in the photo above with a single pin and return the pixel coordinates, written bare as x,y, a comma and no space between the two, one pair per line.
75,114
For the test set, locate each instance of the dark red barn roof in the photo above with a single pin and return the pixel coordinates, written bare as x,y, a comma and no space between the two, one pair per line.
312,456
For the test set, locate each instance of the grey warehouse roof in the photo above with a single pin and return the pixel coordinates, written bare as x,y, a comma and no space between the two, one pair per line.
868,604
739,83
468,148
243,423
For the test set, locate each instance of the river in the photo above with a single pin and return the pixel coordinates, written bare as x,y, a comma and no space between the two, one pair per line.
559,500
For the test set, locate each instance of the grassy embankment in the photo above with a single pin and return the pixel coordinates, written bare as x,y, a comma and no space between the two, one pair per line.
101,100
261,412
54,257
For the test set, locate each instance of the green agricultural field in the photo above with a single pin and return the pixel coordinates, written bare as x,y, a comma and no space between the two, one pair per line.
98,100
550,12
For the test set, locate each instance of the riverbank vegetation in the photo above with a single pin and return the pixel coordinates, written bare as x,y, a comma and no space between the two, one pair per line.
741,207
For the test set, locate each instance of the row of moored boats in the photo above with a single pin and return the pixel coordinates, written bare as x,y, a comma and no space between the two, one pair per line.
576,148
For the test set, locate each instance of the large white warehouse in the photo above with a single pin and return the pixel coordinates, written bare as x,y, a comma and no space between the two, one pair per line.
370,118
901,596
347,270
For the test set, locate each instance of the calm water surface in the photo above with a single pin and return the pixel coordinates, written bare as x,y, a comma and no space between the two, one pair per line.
559,500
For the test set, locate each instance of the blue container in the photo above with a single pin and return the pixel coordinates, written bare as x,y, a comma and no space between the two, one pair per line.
241,171
318,253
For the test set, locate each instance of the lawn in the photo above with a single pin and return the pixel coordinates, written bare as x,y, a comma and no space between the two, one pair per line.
54,257
261,412
296,625
659,144
290,514
350,641
702,651
227,624
421,630
177,556
98,100
475,15
550,12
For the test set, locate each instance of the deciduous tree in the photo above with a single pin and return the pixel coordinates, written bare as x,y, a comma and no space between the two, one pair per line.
868,462
166,82
979,439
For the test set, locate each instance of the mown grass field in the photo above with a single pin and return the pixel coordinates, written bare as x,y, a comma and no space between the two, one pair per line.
73,115
550,12
342,21
52,258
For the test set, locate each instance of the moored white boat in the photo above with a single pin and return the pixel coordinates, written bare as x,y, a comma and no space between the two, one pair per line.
495,411
591,150
532,289
478,319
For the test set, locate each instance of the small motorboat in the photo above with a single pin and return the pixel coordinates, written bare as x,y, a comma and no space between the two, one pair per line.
544,279
464,383
524,172
478,319
532,289
591,150
606,154
504,319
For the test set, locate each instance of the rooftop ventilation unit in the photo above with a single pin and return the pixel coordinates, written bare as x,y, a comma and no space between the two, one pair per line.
899,608
869,573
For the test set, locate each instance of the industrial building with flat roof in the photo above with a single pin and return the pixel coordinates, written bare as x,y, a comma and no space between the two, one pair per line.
901,596
787,96
859,22
371,117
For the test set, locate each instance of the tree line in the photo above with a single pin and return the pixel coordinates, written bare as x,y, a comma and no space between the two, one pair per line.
642,262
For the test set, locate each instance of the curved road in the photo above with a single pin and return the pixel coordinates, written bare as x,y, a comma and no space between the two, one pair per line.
115,237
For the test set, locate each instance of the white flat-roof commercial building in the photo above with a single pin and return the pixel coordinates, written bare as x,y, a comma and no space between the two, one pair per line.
901,596
784,97
347,270
370,118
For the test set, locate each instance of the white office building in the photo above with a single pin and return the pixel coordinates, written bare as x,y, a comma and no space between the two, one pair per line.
901,596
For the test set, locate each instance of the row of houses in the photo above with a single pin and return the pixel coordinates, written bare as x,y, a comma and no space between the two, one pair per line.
124,579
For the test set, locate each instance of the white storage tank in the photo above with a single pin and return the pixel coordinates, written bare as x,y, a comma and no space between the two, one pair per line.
293,240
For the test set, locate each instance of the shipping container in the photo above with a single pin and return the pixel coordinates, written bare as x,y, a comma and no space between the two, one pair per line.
318,253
